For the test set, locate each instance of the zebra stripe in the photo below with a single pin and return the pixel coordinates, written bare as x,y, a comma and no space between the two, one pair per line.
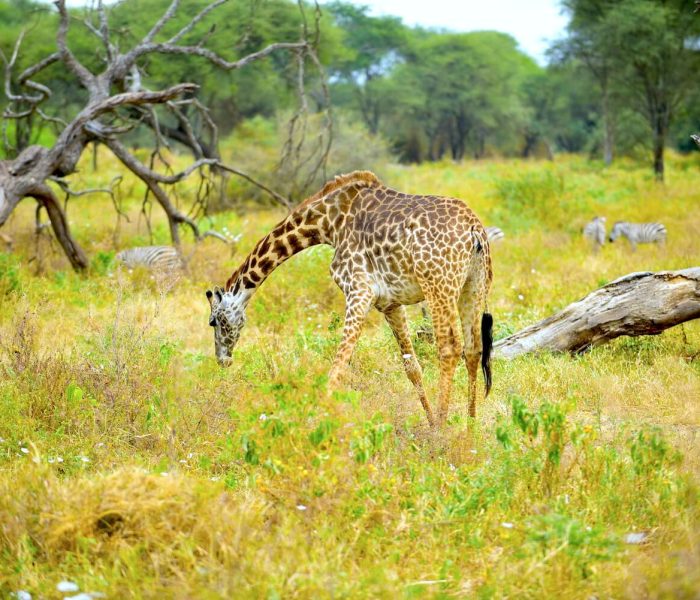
494,234
639,233
152,257
594,231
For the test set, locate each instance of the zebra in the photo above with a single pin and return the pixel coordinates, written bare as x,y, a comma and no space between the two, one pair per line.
494,234
639,233
594,232
158,258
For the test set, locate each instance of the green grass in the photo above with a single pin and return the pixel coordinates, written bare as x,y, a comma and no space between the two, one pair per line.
131,464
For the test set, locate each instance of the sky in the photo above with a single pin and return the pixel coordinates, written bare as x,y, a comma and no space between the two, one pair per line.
534,23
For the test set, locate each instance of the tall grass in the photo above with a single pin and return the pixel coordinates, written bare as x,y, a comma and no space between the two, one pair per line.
132,465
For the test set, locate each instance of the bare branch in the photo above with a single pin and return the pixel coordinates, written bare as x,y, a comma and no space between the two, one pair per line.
50,119
167,15
187,28
286,202
44,92
143,172
78,69
93,111
41,65
73,251
123,154
211,56
63,184
175,217
186,126
102,30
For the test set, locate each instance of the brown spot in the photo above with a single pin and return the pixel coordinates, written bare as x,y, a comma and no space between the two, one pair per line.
294,243
264,245
309,234
266,265
280,249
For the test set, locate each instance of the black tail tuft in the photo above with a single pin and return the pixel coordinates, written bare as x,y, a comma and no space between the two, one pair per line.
486,345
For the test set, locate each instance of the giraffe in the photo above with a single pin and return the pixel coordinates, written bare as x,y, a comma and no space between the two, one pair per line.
391,249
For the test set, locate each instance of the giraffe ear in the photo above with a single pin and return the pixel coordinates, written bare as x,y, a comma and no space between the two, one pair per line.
218,293
210,297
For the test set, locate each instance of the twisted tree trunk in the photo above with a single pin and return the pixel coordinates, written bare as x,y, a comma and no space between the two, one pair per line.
636,304
116,91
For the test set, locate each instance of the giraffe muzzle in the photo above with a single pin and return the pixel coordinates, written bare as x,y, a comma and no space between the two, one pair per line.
225,361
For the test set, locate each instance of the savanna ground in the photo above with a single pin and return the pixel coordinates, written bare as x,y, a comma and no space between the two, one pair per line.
131,464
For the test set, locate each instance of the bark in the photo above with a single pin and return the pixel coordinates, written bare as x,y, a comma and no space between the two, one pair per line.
608,127
636,304
659,142
59,223
26,176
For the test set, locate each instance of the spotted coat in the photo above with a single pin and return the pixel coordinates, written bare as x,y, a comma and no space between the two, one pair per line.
391,249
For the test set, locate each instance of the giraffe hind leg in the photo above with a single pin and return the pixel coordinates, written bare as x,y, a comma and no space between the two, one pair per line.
396,318
470,311
449,346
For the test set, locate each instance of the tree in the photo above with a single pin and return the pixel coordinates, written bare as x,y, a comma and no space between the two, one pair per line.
461,89
115,102
636,304
645,45
373,46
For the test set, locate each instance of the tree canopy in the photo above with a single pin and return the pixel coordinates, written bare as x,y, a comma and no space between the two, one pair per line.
622,78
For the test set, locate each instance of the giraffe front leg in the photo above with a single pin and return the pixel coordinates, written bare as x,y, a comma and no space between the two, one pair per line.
357,304
396,317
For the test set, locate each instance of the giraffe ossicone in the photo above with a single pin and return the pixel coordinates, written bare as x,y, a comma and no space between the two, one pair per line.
391,250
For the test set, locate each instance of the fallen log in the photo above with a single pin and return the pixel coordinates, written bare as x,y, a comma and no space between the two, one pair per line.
636,304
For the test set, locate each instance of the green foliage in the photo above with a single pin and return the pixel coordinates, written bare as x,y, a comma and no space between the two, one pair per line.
528,198
179,478
641,54
365,445
101,262
553,533
651,453
10,280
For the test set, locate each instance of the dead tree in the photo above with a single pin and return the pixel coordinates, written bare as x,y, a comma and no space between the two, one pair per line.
636,304
107,115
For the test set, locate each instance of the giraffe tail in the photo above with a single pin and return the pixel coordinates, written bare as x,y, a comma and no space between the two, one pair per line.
487,345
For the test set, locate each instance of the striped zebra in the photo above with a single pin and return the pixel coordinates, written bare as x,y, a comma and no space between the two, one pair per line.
594,232
639,233
494,234
157,258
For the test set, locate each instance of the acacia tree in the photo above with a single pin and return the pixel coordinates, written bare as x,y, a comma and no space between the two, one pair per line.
118,102
645,46
373,46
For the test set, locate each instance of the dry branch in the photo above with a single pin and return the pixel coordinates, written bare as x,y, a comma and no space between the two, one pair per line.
107,115
636,304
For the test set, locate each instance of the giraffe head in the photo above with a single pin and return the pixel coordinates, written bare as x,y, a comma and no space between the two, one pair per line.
227,318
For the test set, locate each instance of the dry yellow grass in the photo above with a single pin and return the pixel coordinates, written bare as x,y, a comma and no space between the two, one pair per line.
178,479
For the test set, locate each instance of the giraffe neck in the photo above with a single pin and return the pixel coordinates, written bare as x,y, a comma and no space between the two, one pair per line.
308,225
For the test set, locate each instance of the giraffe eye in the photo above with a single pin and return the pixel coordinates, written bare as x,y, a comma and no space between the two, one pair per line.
212,321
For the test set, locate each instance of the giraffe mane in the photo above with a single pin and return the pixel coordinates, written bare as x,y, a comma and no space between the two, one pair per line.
357,178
